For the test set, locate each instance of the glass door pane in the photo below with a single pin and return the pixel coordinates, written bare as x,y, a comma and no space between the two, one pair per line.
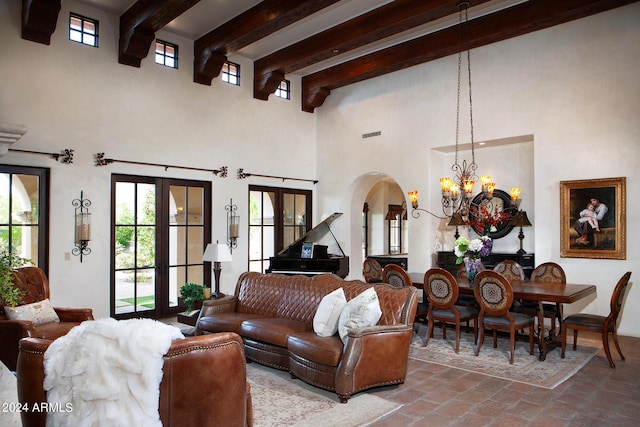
186,239
135,248
20,211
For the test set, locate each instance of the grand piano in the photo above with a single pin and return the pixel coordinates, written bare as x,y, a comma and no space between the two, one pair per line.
309,256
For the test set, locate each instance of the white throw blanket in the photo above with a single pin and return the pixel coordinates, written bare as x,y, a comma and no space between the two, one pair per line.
107,373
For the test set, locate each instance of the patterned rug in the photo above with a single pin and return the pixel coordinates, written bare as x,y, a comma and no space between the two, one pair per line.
494,362
279,400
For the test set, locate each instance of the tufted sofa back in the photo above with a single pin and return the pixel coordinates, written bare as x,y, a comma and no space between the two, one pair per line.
297,297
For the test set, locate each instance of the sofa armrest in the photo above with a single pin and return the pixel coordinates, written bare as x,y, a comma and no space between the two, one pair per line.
226,304
31,379
373,356
74,314
11,332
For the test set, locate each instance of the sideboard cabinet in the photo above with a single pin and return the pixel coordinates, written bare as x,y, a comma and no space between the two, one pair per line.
447,260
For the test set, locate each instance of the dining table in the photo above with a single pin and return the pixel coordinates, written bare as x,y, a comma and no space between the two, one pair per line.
539,293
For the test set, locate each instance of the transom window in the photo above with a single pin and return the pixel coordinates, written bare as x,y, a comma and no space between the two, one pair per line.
231,73
83,30
166,54
284,90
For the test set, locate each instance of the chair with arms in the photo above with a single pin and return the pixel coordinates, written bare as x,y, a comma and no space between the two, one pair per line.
35,317
548,272
592,322
495,295
372,271
442,290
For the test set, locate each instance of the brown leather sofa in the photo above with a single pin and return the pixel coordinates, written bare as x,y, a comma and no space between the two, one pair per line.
203,384
34,282
274,315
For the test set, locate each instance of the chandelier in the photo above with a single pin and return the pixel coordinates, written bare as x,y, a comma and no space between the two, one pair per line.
458,203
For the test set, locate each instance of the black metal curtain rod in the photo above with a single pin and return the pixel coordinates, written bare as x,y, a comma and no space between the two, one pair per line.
242,175
65,156
100,160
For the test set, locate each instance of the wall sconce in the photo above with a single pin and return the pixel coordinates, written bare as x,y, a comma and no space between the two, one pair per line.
233,225
82,226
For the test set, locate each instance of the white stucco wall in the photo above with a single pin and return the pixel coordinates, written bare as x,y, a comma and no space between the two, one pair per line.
572,88
75,96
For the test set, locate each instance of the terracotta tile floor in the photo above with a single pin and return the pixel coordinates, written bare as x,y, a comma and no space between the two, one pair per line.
596,395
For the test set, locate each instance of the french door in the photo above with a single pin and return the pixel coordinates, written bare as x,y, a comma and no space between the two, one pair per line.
160,228
24,213
277,218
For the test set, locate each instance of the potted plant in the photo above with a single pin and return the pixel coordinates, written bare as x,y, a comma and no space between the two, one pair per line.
9,294
190,294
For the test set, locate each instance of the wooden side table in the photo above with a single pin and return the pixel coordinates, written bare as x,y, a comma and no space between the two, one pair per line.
189,320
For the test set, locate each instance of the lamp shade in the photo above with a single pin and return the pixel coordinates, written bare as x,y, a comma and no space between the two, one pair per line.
456,219
217,252
521,220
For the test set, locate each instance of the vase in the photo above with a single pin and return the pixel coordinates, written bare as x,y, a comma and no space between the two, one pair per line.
472,266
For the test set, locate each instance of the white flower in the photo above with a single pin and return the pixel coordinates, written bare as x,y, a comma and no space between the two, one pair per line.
475,245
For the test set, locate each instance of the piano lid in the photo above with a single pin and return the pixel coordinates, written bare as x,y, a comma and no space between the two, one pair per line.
317,233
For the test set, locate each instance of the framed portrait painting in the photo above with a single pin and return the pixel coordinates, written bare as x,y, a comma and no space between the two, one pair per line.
593,218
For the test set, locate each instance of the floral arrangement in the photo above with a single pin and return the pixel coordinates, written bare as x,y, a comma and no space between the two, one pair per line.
474,249
482,219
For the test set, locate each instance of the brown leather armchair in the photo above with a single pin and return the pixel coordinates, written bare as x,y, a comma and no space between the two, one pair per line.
204,382
34,282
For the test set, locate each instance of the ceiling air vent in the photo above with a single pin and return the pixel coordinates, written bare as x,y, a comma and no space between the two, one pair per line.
371,134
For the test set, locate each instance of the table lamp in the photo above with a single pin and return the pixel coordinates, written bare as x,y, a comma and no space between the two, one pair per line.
217,253
521,220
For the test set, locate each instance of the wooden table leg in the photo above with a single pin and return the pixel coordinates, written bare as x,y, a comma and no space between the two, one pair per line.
542,342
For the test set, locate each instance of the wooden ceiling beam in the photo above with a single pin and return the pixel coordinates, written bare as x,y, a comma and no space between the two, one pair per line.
39,19
250,26
139,24
517,20
385,21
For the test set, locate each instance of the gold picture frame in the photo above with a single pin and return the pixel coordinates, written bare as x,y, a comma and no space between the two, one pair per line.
584,233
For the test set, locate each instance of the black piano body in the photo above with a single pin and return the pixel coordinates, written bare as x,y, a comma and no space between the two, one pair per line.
308,256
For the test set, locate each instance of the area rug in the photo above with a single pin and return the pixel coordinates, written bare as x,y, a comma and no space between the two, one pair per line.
494,362
279,400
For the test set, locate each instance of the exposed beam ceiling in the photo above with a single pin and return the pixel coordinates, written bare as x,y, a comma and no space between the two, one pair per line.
328,43
139,24
267,17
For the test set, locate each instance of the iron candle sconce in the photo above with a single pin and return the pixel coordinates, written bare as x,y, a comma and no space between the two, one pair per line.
233,225
82,226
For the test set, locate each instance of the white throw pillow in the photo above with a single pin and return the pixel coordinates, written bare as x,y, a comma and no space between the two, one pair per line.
325,321
362,311
39,313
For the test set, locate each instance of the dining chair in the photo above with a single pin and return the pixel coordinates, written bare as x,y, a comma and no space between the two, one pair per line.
396,276
494,294
593,322
442,290
372,271
510,269
548,272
